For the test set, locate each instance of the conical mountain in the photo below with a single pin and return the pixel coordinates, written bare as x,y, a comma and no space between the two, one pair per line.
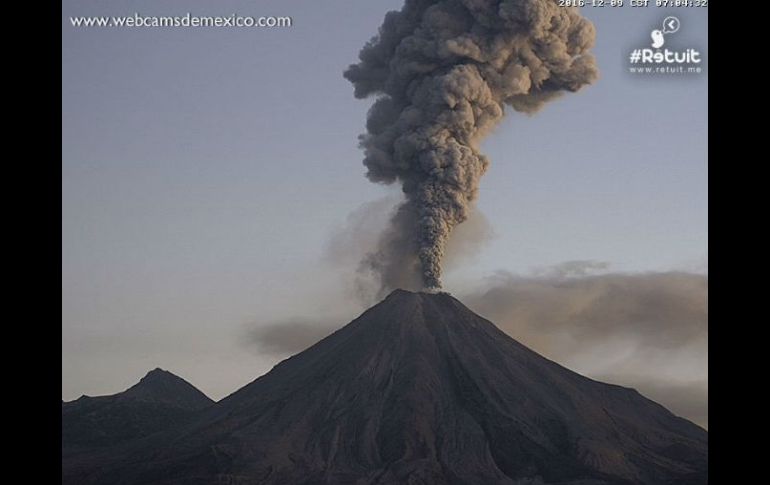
417,390
157,402
162,387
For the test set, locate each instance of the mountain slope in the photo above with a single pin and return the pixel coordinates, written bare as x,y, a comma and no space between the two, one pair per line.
417,390
158,401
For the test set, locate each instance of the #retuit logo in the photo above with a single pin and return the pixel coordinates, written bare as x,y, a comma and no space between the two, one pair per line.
659,60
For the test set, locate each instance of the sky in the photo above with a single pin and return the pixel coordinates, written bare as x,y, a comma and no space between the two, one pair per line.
212,189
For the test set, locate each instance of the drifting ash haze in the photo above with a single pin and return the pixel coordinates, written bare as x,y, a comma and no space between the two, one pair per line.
443,73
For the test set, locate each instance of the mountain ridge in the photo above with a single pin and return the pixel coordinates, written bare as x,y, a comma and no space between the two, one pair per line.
418,389
158,401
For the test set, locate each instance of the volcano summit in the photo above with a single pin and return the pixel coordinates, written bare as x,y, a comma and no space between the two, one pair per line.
417,390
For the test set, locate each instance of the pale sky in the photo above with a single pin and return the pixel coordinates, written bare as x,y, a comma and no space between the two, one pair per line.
206,170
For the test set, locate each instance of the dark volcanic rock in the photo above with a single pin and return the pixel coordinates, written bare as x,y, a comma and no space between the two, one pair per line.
417,390
160,400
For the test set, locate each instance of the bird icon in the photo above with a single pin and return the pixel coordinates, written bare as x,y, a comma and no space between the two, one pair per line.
657,39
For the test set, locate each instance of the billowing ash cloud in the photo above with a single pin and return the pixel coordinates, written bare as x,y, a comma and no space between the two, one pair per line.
443,71
351,243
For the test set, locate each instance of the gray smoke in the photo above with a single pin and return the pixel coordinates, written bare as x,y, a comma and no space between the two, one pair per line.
443,71
351,243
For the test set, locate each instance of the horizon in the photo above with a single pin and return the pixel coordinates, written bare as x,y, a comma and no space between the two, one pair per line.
700,422
388,297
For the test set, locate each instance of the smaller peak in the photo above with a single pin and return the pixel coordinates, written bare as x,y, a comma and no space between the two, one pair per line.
160,385
159,377
158,372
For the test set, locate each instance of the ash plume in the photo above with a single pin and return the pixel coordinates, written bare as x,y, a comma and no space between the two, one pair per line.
442,72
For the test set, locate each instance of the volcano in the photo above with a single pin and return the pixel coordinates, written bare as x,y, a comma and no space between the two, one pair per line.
417,390
160,400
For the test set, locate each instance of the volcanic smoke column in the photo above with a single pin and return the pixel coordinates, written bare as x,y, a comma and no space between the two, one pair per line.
443,71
